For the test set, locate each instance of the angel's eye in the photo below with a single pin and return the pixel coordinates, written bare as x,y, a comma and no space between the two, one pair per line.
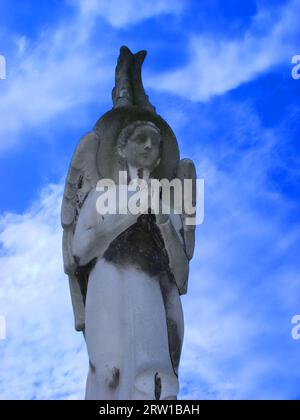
155,141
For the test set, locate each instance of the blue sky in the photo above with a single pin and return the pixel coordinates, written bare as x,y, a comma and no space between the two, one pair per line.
220,73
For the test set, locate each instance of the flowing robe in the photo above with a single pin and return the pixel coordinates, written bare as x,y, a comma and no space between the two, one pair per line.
133,316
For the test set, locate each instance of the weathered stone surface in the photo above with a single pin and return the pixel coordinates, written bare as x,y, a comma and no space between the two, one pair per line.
127,271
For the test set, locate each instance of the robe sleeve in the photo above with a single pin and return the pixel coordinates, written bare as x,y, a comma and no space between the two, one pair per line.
95,232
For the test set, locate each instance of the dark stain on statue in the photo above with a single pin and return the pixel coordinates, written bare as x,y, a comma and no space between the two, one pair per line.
174,344
140,245
115,379
157,386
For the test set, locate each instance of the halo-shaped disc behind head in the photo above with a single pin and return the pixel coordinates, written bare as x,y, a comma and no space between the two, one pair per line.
108,129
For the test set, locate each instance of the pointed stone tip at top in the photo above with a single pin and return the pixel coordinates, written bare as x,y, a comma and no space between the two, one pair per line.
124,48
129,89
141,54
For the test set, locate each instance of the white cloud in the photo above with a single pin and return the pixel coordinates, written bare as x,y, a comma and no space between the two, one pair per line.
218,65
239,296
239,304
63,69
42,357
244,281
50,77
119,13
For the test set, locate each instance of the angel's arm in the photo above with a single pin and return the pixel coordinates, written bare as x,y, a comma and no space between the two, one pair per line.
174,245
94,234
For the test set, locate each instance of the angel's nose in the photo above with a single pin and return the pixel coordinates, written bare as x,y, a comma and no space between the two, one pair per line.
148,144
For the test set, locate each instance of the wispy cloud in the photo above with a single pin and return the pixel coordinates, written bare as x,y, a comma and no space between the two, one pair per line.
42,356
245,275
63,69
218,65
244,280
50,76
243,289
120,14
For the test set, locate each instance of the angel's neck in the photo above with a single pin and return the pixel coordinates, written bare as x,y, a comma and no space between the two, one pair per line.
140,173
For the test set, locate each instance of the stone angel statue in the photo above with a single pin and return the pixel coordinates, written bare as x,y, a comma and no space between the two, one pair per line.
127,271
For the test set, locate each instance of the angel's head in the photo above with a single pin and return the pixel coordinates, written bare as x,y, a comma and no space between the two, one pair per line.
139,144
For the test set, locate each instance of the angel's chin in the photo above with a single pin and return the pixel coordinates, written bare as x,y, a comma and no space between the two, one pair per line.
144,164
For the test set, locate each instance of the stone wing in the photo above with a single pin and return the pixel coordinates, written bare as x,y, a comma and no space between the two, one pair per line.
83,175
186,170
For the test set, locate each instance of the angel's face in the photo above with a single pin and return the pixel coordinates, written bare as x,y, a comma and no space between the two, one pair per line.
142,149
